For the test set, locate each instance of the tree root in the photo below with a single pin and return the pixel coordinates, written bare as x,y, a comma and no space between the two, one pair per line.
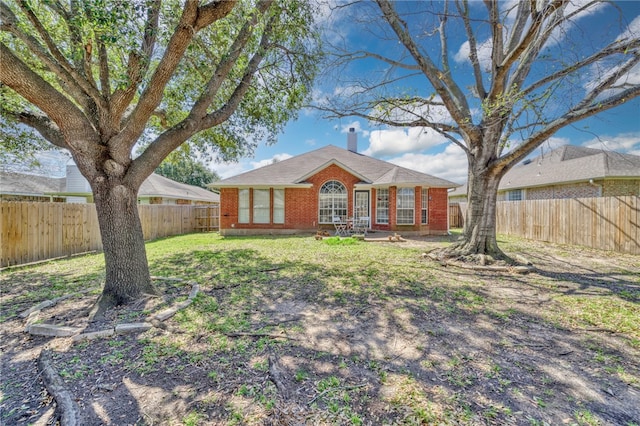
276,375
68,409
479,261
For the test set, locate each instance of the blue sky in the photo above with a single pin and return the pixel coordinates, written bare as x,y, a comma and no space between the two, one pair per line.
617,129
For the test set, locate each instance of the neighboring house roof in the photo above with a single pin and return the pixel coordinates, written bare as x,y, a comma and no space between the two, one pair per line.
567,164
294,171
23,184
154,186
160,186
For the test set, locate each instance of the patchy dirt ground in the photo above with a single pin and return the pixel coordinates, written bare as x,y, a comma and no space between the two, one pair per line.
461,347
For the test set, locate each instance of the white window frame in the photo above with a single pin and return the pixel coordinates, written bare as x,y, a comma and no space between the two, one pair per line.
243,205
333,200
382,206
405,203
424,213
278,206
261,205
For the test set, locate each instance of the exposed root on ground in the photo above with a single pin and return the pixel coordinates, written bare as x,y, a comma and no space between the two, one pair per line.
68,409
499,262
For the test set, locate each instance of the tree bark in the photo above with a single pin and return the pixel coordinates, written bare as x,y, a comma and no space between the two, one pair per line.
479,233
127,270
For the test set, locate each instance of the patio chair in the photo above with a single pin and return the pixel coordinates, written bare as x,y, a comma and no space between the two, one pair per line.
341,227
361,225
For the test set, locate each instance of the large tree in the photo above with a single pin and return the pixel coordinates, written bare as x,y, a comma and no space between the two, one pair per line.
496,78
98,77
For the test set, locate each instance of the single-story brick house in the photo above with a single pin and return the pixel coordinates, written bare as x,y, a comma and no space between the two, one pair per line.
304,193
568,172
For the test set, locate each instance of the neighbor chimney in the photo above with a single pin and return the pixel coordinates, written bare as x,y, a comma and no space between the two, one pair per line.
352,140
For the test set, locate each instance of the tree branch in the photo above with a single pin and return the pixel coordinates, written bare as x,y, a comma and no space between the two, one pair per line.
473,49
47,128
572,116
443,84
153,93
227,63
20,78
211,12
138,63
87,87
614,48
67,79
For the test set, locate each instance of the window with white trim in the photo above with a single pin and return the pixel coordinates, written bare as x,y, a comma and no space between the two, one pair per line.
382,206
425,206
243,206
278,206
332,201
261,205
405,205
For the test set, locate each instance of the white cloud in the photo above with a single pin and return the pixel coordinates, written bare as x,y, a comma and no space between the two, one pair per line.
628,143
225,170
451,164
484,53
357,128
398,141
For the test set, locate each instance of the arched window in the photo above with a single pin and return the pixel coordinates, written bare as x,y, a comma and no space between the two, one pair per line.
332,201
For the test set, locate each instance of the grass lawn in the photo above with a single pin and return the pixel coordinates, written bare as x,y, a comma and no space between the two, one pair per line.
292,330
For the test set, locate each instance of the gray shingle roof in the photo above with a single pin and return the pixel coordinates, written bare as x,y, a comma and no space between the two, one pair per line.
568,164
293,171
160,186
571,164
154,186
29,185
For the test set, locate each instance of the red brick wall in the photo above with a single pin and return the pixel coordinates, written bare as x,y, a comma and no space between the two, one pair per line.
301,207
600,188
438,210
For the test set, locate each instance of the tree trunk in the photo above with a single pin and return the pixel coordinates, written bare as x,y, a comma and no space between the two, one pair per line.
479,233
127,270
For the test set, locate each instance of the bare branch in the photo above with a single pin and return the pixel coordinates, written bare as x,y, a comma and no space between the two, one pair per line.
575,114
473,49
614,48
442,83
362,54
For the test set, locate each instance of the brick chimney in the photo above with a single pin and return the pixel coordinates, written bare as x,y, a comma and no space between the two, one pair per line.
352,140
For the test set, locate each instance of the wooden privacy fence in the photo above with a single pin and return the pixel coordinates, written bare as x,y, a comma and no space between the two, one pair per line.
606,223
456,218
30,232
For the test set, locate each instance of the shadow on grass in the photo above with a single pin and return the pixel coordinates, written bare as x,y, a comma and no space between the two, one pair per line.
360,335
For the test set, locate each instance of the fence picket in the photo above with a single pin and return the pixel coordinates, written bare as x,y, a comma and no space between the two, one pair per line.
31,231
606,223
